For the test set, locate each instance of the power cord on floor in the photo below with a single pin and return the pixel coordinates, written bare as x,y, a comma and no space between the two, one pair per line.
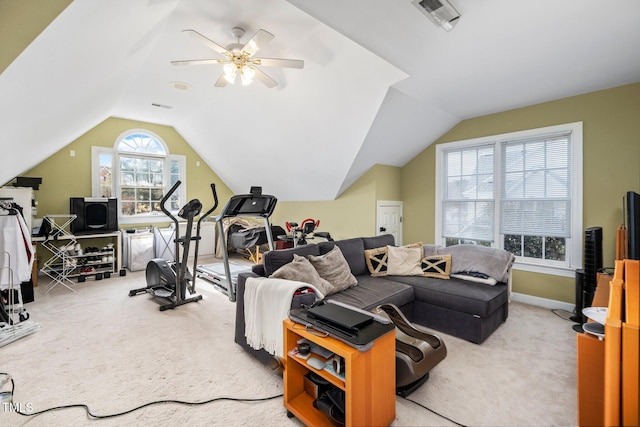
434,412
9,394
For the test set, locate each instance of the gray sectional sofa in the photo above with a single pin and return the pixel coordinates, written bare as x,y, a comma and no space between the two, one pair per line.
458,306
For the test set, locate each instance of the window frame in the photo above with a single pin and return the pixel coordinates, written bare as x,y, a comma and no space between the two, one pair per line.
574,249
153,217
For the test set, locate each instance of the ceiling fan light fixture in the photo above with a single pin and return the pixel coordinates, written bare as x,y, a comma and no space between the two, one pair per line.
230,71
239,58
247,74
440,12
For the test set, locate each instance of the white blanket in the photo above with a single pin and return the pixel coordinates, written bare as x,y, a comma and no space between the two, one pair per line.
266,304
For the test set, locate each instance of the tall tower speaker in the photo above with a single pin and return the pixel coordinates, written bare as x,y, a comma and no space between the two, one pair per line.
587,278
592,259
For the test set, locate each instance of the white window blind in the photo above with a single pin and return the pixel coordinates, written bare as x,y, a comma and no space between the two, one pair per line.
536,186
468,205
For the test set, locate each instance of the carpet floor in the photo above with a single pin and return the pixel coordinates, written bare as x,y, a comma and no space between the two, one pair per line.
99,347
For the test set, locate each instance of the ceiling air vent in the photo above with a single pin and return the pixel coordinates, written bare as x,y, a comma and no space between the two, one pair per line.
440,12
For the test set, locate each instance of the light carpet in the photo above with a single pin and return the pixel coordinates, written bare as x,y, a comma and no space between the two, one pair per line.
100,347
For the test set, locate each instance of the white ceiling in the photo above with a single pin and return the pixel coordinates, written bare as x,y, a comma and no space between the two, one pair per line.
380,81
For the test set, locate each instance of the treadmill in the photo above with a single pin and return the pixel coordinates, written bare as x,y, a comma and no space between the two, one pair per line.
255,204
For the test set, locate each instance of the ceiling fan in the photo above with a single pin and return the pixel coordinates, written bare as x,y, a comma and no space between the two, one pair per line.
239,60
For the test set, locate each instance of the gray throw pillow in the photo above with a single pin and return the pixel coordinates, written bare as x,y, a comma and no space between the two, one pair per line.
301,270
334,268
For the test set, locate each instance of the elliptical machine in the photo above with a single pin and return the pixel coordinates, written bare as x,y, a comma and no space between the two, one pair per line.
169,280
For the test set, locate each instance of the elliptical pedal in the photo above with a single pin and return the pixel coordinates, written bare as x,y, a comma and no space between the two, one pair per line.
161,292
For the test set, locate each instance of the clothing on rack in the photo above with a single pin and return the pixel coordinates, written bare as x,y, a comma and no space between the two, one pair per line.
16,251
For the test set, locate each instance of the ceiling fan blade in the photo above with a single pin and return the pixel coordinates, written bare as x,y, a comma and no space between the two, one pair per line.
199,61
268,81
221,82
277,62
209,43
257,42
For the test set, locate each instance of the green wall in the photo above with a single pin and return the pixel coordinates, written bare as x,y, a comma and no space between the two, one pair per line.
21,21
64,176
611,127
611,168
353,213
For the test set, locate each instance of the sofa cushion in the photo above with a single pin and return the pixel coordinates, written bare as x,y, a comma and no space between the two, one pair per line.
273,260
437,266
301,270
353,251
404,261
333,267
373,291
376,260
459,295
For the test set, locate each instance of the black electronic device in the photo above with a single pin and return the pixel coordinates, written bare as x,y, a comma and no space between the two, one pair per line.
94,215
632,216
359,335
338,316
592,258
25,181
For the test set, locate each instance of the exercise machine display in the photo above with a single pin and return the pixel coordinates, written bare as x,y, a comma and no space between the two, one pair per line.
255,204
170,280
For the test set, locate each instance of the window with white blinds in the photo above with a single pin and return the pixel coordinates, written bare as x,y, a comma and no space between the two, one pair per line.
536,186
521,192
469,204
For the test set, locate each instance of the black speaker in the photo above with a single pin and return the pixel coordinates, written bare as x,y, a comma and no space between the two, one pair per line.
632,214
592,258
94,215
581,298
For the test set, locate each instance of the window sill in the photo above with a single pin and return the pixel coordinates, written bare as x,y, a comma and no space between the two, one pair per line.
146,219
545,269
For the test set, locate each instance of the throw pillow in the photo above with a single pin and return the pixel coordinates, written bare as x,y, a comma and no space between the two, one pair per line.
404,261
436,266
301,270
333,267
377,261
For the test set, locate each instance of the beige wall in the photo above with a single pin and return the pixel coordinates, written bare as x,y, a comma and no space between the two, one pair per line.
611,167
21,21
64,176
353,213
611,127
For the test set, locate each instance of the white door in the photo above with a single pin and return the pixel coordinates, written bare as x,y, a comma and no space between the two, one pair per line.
389,219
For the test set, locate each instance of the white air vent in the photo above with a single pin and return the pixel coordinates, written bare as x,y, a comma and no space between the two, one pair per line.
155,104
440,12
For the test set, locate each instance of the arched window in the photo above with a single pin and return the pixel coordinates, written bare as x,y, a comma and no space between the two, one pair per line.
138,171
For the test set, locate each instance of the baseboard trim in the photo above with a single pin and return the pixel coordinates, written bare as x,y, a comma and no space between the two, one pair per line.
542,302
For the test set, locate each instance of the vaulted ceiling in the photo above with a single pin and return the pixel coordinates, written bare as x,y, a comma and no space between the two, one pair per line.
380,81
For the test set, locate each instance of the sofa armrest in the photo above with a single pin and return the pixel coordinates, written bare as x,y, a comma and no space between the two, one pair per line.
258,269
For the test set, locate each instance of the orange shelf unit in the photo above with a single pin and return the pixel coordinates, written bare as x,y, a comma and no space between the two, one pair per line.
369,382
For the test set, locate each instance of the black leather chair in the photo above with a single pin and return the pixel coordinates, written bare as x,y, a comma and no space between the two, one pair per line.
417,350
